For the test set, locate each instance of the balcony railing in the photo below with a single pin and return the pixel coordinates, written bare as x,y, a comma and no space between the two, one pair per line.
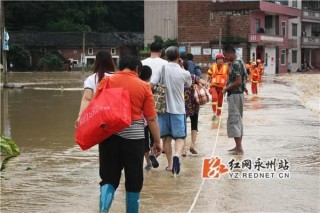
262,38
311,15
310,41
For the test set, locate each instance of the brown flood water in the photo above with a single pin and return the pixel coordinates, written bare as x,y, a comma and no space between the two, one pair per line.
53,175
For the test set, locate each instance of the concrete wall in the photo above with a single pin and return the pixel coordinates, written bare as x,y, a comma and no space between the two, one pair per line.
200,24
295,66
160,18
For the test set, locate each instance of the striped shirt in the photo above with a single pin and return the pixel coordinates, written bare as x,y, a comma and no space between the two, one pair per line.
134,131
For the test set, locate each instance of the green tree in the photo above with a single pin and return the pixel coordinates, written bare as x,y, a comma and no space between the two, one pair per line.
50,62
70,16
170,42
65,25
19,57
167,43
158,38
126,16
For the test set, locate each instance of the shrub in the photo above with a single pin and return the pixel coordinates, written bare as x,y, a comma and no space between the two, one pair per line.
50,62
9,149
19,57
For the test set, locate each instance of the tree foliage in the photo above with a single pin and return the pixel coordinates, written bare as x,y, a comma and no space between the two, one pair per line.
19,57
74,16
9,149
167,43
50,62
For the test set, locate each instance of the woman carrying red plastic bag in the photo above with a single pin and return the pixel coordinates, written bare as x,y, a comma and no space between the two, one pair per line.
125,149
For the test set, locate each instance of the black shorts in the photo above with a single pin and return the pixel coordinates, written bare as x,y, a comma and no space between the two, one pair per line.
148,139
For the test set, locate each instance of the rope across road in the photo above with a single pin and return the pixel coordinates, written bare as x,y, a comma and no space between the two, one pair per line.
213,151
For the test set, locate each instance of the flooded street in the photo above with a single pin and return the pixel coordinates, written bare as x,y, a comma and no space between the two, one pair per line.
52,174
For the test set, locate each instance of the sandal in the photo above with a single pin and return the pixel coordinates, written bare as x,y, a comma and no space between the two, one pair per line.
148,167
154,161
168,170
193,151
184,153
176,165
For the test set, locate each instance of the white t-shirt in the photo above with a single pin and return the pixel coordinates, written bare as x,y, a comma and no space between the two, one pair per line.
155,64
91,81
175,79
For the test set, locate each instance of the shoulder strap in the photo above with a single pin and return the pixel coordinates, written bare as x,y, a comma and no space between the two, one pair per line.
104,84
162,74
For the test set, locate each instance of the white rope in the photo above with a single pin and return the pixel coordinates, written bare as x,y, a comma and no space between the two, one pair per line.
214,149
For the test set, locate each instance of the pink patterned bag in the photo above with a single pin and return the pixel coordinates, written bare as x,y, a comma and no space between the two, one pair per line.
201,94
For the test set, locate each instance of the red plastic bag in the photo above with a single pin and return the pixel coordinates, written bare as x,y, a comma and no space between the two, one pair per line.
108,113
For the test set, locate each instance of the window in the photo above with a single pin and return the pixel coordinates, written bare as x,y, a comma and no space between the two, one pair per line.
211,16
303,30
268,21
115,60
315,28
294,56
266,60
90,51
283,56
294,29
113,51
257,25
295,3
283,26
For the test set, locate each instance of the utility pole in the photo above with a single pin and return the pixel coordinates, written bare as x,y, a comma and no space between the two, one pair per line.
3,54
220,41
1,29
83,49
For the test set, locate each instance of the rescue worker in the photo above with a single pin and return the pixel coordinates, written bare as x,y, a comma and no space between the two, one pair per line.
248,67
254,77
261,70
217,77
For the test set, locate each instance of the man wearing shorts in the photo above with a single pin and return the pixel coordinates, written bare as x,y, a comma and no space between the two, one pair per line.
236,85
172,123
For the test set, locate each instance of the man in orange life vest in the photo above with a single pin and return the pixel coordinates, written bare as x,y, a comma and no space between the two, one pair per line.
254,77
261,70
217,77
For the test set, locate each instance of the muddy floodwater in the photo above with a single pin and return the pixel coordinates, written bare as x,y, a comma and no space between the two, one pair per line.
279,171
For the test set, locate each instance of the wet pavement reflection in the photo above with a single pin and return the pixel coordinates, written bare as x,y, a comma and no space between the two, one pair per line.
52,174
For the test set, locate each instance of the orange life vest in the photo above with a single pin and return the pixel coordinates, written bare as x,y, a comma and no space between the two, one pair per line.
261,70
254,74
219,76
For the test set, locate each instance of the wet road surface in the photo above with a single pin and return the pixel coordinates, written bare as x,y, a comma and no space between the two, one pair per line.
53,175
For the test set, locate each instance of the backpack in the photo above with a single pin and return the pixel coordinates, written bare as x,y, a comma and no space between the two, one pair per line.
194,69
